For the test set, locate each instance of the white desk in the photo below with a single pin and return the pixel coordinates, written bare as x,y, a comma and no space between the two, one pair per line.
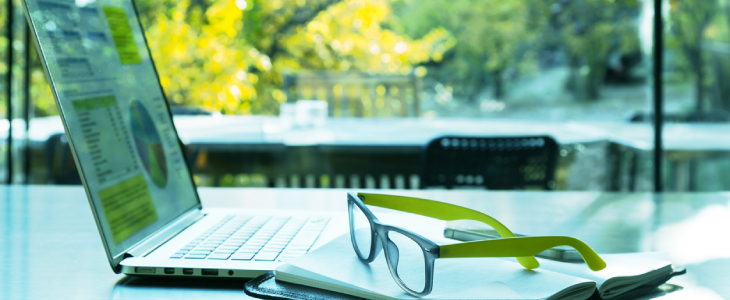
51,249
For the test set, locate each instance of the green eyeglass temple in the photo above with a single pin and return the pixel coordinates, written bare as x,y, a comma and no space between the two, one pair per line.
523,248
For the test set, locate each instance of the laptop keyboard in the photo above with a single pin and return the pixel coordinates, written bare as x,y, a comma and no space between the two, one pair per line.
260,238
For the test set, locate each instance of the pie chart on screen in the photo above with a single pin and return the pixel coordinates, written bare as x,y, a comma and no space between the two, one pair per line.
149,145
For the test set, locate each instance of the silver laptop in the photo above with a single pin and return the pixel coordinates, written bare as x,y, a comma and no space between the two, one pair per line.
131,160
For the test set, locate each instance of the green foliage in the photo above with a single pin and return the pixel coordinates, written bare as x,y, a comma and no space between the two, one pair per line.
591,30
491,36
3,59
230,55
689,22
495,36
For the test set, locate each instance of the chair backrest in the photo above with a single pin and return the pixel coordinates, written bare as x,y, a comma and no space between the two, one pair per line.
499,163
351,94
59,161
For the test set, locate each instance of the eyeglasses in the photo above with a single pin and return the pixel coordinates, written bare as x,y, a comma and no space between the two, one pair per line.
410,257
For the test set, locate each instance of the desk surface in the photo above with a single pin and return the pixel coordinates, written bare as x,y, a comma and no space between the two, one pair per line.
239,131
50,247
219,131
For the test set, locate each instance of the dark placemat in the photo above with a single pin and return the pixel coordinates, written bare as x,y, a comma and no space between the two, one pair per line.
266,287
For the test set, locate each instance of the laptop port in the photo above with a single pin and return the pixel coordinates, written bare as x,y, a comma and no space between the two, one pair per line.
210,272
188,271
169,270
144,270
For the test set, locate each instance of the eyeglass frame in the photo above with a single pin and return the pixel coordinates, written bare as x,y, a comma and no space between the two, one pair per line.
523,248
379,236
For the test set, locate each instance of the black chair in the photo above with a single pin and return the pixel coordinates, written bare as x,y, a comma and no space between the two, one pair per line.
59,161
498,163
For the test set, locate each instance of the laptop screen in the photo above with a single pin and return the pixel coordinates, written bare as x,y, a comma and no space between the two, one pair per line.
115,114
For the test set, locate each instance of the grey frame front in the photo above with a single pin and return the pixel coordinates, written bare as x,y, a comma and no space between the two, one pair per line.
379,237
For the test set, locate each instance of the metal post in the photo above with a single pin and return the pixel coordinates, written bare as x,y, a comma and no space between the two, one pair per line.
658,48
9,84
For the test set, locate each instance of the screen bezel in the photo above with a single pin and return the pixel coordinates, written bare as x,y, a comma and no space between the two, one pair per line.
114,258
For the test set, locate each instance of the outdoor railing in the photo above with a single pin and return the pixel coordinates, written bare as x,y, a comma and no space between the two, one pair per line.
357,94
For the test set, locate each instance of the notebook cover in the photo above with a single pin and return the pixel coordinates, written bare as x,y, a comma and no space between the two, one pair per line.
266,287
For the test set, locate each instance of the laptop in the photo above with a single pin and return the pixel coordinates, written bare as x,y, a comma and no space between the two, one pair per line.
131,161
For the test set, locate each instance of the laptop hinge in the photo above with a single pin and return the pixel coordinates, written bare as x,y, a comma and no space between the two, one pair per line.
163,235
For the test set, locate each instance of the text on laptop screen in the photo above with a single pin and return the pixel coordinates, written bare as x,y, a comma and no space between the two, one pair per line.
115,114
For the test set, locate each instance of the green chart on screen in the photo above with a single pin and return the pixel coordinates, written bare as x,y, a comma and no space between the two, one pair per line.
149,144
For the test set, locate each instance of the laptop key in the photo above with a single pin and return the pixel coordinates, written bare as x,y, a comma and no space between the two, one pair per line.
266,256
227,248
249,249
242,256
256,242
298,247
272,249
294,252
221,256
195,256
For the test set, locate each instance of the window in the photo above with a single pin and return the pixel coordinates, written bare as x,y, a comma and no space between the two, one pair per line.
395,73
518,63
696,95
12,70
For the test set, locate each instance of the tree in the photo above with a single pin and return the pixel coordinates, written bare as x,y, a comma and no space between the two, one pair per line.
3,60
718,38
688,22
230,55
590,30
491,37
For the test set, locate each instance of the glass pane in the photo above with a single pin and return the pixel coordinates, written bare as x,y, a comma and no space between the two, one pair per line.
12,69
50,156
697,96
19,98
392,75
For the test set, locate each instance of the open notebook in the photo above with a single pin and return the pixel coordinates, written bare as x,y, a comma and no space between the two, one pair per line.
335,267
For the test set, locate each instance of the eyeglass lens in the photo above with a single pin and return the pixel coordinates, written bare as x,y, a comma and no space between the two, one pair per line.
360,229
407,258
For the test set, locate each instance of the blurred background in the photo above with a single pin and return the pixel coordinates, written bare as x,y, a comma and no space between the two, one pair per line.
396,74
